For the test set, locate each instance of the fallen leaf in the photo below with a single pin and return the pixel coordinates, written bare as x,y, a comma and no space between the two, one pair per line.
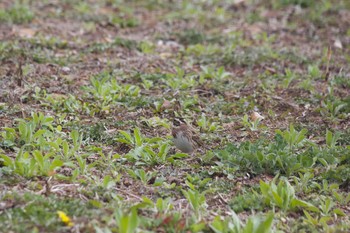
57,96
256,116
236,2
338,44
166,104
165,55
26,32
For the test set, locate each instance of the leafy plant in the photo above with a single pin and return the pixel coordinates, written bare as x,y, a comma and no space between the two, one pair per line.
142,175
206,124
342,198
292,136
248,200
314,71
304,182
146,47
331,139
29,131
158,155
180,80
265,156
233,224
28,165
46,166
197,201
145,150
156,122
124,22
109,182
197,180
17,13
288,78
164,205
135,140
9,137
283,196
105,89
326,205
332,108
325,187
210,73
127,222
251,125
316,221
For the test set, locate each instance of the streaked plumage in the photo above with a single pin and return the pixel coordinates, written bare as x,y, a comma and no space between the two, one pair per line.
183,138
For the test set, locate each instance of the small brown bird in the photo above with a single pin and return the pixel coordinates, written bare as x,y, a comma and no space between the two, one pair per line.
184,139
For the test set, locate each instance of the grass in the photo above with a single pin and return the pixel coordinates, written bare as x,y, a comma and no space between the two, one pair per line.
91,90
17,14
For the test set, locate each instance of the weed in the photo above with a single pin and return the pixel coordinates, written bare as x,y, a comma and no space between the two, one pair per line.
246,202
17,13
233,224
197,201
283,196
100,130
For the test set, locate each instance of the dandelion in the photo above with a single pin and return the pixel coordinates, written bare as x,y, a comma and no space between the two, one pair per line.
65,219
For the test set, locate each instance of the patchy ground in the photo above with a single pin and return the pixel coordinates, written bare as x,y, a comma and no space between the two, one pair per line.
89,91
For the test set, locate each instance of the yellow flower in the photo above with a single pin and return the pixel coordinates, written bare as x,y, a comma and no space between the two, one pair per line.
65,219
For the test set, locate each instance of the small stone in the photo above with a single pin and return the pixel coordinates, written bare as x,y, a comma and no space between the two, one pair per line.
65,69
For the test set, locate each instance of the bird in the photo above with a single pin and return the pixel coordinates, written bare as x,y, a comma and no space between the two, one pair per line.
184,139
